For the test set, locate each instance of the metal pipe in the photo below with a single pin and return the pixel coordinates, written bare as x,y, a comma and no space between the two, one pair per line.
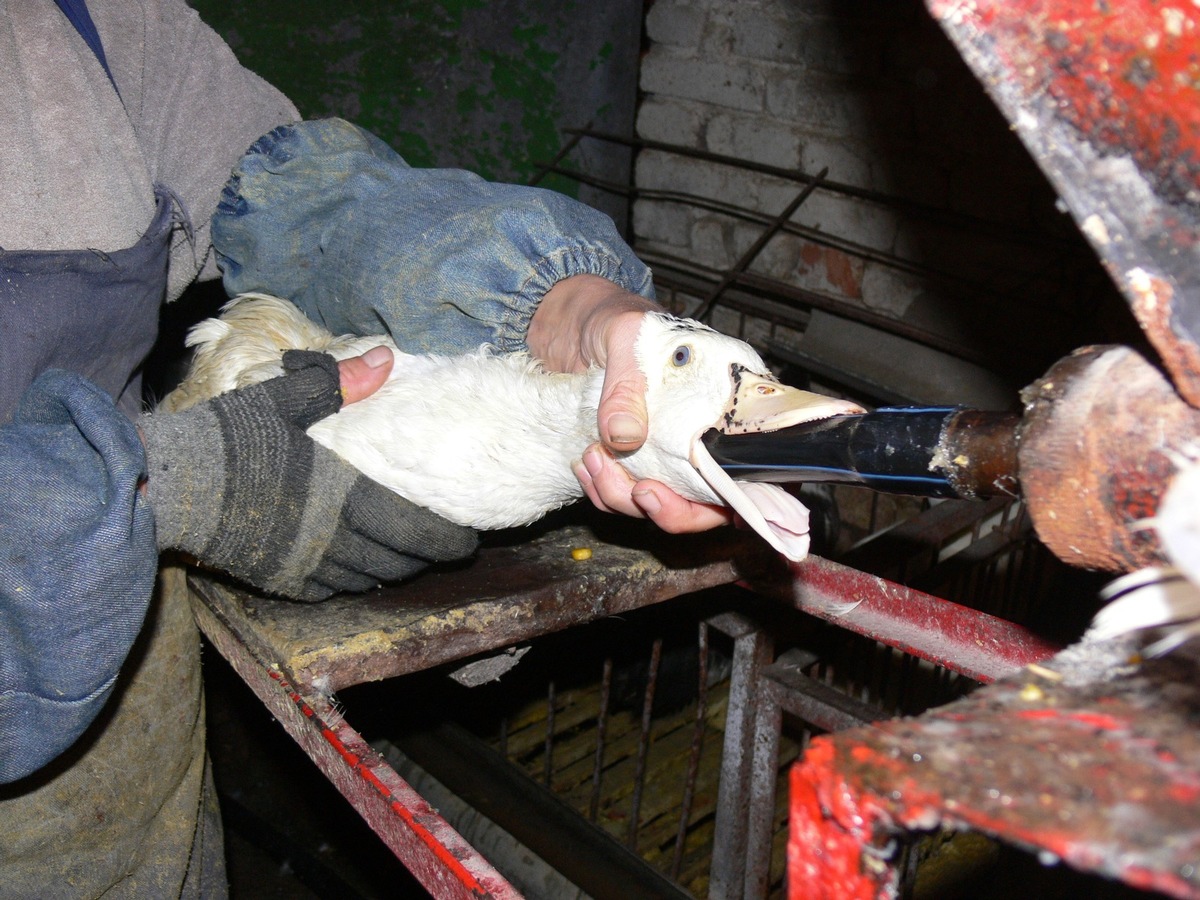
923,451
693,768
639,775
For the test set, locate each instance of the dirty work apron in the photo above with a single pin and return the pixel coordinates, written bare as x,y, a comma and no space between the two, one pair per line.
129,810
86,311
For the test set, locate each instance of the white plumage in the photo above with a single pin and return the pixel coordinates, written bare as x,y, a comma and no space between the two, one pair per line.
488,440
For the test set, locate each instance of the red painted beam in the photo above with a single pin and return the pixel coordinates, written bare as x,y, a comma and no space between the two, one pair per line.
422,840
1126,74
962,639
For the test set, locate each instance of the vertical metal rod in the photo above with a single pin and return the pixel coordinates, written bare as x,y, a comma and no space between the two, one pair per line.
752,650
740,266
549,761
760,816
601,735
693,769
639,775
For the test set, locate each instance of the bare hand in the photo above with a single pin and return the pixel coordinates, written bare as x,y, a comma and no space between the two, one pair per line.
585,320
364,375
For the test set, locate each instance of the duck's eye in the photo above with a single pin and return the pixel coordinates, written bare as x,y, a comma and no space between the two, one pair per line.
682,355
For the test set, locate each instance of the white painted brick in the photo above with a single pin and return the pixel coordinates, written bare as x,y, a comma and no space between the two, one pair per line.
704,179
667,223
679,74
865,223
756,138
890,291
848,161
825,105
677,24
778,258
710,242
671,121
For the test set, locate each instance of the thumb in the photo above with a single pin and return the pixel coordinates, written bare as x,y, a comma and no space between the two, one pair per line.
361,376
622,414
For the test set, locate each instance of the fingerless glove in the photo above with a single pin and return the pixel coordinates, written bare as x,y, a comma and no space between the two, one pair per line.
237,482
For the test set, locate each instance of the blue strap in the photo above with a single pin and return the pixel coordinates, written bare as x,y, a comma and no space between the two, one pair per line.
77,14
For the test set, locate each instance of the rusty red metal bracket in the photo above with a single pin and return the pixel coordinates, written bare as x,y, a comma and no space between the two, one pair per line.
1090,759
423,841
1106,97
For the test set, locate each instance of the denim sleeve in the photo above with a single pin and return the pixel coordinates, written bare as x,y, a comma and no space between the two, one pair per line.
327,215
77,564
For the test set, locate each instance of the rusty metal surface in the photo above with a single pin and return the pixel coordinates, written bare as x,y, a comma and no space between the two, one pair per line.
510,592
1091,759
752,652
978,454
1096,447
1106,97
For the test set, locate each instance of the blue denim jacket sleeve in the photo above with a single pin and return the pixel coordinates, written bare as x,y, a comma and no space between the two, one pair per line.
77,564
327,215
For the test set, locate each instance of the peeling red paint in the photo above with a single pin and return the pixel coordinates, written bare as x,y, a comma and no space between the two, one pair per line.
1101,774
844,272
1125,73
413,819
826,832
1092,720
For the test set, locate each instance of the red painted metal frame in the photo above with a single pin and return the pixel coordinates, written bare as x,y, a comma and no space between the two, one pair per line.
425,843
964,640
1101,776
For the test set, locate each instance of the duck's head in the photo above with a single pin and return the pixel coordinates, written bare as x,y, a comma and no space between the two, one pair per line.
698,379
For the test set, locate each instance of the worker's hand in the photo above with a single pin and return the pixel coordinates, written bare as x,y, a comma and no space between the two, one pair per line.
361,376
238,483
586,320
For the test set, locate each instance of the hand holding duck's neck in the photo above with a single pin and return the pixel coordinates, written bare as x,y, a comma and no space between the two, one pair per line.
588,321
573,326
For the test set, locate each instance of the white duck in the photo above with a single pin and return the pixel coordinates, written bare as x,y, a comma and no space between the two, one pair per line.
487,440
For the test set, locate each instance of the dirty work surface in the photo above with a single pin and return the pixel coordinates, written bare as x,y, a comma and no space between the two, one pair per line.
1092,758
521,584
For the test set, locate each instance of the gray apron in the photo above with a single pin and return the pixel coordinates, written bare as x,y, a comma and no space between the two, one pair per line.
86,311
129,810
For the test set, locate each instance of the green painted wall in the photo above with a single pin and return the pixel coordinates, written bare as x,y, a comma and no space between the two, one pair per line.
462,83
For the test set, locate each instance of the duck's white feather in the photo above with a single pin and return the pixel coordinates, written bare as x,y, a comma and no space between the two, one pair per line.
488,440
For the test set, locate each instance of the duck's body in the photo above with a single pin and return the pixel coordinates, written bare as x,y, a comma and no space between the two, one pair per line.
487,440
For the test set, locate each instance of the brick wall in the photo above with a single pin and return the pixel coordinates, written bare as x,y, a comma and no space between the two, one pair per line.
874,92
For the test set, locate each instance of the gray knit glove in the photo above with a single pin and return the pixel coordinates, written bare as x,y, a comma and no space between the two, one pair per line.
237,483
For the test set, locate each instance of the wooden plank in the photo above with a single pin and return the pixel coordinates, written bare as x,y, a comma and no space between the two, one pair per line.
520,585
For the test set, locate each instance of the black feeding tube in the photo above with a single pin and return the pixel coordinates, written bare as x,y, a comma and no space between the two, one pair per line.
925,451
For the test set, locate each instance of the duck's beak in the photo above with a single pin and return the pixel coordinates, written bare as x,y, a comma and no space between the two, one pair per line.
761,403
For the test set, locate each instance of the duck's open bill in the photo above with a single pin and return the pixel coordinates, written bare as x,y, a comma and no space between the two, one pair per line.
926,451
759,404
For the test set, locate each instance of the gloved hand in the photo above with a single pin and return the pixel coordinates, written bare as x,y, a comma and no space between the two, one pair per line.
237,483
